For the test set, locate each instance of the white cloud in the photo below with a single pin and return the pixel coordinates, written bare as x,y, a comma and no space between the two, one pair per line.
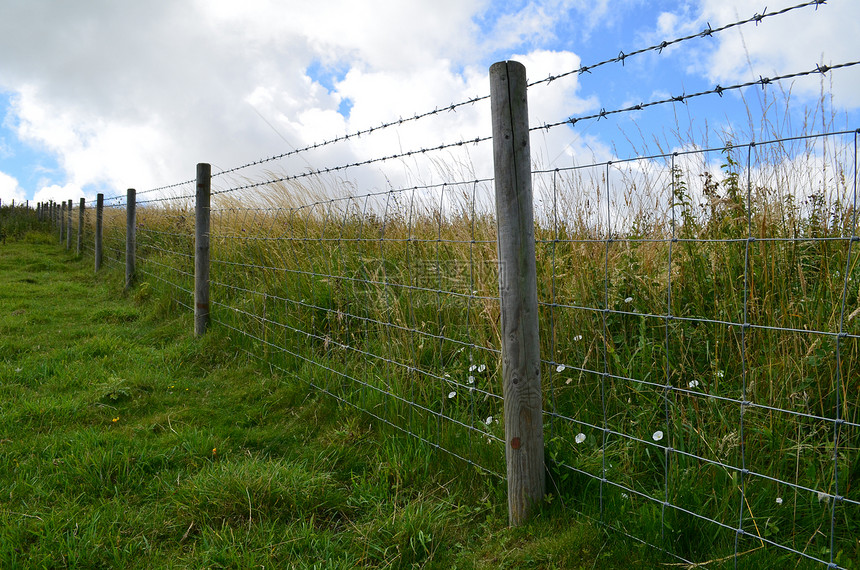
10,190
60,194
778,45
135,94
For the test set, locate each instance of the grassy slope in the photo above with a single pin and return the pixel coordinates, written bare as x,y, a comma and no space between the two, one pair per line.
127,443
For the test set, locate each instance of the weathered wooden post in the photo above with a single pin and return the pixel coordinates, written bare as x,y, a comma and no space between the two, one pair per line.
524,449
69,226
201,249
81,226
100,206
62,225
130,235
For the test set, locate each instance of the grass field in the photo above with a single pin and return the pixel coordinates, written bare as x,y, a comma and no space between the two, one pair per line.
700,372
127,443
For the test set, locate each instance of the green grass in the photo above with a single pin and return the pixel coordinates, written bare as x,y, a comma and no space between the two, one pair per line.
127,443
380,309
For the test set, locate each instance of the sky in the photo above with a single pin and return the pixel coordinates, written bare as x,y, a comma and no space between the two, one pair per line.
104,95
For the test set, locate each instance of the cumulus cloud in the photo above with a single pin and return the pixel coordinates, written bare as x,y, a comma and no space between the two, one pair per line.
788,43
10,190
134,95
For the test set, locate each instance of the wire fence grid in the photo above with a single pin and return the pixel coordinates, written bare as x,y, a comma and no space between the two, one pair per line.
698,316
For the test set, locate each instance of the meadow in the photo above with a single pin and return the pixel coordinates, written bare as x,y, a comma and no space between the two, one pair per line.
699,367
699,348
128,443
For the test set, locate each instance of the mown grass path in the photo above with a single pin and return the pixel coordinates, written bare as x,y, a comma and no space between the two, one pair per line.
127,443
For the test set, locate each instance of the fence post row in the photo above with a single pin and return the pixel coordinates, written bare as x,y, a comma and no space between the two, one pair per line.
130,235
524,446
81,226
100,203
69,226
201,249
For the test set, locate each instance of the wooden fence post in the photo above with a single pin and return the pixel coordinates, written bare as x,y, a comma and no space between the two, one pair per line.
81,226
69,226
521,365
100,206
201,249
62,225
130,236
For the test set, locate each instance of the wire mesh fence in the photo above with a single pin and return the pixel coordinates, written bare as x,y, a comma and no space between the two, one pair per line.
698,316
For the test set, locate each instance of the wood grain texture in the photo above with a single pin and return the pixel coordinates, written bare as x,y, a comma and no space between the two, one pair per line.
524,447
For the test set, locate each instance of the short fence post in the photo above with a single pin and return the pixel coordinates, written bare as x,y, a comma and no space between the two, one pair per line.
201,249
100,206
81,226
130,234
521,365
69,227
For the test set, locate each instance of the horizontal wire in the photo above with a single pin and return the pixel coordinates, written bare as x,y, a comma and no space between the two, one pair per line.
349,403
708,150
701,320
329,170
371,386
409,368
401,328
620,58
718,90
713,462
708,32
385,284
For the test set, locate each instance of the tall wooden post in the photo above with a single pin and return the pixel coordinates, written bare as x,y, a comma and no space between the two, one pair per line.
130,236
201,249
69,226
62,224
524,448
81,226
100,206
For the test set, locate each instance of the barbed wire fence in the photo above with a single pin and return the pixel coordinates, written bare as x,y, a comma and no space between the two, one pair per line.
698,317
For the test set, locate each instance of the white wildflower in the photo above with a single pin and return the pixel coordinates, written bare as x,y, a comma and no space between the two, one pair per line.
693,384
482,367
658,435
779,500
560,368
451,394
628,300
489,420
470,379
580,437
577,338
473,367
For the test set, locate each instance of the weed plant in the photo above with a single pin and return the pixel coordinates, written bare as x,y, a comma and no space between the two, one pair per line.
128,443
699,339
392,307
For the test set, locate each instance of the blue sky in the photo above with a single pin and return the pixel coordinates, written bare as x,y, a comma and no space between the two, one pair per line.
105,95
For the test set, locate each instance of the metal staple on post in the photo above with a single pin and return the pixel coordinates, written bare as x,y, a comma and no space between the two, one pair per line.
201,249
130,237
524,446
100,203
81,226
